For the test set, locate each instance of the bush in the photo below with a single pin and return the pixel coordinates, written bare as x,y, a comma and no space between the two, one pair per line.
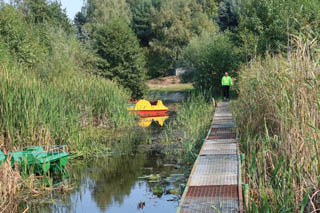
122,59
211,55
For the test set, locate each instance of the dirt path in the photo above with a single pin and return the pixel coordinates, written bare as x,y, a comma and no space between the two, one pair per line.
170,82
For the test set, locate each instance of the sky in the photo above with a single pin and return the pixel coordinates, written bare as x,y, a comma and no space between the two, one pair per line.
72,7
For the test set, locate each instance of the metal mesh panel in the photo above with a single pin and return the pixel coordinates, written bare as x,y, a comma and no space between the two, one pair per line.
218,131
222,133
215,170
222,136
230,140
223,120
224,125
211,199
213,185
219,149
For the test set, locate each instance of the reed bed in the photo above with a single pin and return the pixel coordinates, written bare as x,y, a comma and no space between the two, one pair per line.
39,112
191,125
278,113
17,187
10,185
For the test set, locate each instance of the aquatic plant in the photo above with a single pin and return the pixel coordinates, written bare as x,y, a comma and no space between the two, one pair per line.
278,112
191,125
17,186
38,112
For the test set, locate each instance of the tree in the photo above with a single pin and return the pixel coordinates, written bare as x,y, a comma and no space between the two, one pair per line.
122,59
174,25
265,25
133,3
228,17
80,20
42,12
141,21
100,12
210,7
211,55
23,40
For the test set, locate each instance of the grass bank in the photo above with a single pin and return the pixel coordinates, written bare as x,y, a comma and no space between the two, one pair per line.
278,112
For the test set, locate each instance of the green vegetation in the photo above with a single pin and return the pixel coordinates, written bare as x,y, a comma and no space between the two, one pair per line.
47,93
211,55
164,28
194,117
54,112
104,26
65,84
173,88
121,57
174,25
265,26
280,129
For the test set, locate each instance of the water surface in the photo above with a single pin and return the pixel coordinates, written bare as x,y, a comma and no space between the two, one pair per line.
120,183
146,181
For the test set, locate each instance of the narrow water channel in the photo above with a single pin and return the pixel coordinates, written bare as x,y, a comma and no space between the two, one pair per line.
146,180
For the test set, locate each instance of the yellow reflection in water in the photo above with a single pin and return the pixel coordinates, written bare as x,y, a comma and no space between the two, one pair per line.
145,122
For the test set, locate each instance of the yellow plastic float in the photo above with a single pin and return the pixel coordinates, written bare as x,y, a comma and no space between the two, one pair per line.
149,109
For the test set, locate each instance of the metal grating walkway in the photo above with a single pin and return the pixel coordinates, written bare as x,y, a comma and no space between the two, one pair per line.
214,184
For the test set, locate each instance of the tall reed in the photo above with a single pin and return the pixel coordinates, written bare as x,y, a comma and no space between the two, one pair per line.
278,112
33,111
191,125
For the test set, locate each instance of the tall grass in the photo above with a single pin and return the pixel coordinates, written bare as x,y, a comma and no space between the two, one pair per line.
278,112
17,187
191,125
55,101
33,111
10,185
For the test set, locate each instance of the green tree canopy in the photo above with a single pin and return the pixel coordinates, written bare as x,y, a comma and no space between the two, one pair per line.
211,55
45,12
141,21
100,12
21,39
228,17
122,59
174,25
266,25
210,7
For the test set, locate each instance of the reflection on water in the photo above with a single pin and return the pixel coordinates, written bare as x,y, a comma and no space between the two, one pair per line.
146,122
122,183
115,185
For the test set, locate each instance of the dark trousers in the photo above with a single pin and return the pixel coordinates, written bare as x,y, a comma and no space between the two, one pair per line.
225,90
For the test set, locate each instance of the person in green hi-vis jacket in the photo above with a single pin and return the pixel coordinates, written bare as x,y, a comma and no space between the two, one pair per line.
226,82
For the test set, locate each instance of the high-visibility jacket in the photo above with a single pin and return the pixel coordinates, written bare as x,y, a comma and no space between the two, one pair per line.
226,81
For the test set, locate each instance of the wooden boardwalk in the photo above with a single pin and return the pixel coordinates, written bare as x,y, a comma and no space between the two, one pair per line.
214,184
